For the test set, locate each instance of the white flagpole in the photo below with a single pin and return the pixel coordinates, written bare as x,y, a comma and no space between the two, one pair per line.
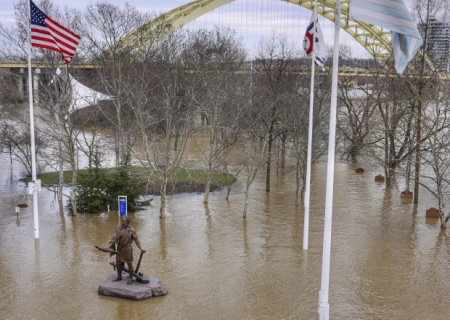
324,307
34,185
310,129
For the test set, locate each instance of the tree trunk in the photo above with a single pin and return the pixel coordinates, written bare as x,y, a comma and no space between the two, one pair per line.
269,160
417,172
247,191
297,182
74,167
208,184
175,144
11,165
61,166
163,190
250,179
60,184
228,192
73,193
117,149
441,210
283,150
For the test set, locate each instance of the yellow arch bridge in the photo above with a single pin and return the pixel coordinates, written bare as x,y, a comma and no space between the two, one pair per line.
374,39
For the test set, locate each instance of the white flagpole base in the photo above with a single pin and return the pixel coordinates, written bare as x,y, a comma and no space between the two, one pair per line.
306,228
324,306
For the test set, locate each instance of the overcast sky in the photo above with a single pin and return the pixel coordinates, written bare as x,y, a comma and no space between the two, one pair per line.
7,6
252,19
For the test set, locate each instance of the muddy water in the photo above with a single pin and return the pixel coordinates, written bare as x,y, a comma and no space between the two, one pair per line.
388,261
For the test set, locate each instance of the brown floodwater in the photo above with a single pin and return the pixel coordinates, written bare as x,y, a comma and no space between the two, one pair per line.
387,260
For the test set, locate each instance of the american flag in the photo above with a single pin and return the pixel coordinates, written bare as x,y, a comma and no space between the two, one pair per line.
48,34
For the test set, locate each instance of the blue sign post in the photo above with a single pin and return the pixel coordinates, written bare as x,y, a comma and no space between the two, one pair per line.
122,205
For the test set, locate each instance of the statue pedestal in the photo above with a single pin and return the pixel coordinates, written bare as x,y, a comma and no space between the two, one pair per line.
134,291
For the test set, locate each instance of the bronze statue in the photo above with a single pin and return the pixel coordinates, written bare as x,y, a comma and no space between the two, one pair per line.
120,244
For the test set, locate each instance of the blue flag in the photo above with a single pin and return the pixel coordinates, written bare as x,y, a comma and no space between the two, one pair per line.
392,15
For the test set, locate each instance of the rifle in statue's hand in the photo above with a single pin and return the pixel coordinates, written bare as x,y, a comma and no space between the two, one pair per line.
109,250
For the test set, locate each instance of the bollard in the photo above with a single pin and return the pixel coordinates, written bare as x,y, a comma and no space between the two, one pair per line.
17,211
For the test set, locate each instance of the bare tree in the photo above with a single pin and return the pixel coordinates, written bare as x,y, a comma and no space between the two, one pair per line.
215,57
355,114
166,102
16,142
381,120
273,84
255,156
426,11
298,126
57,124
105,29
435,158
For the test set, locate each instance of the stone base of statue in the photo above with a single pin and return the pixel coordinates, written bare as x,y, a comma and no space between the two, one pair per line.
134,291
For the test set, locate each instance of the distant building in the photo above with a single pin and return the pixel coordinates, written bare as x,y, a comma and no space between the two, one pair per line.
438,43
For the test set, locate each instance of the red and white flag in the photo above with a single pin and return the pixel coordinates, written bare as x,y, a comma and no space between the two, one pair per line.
313,42
48,34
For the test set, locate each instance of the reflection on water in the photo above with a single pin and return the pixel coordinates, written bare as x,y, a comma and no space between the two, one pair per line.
388,261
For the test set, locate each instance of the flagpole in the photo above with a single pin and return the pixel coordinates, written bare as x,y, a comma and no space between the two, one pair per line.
324,307
34,185
310,129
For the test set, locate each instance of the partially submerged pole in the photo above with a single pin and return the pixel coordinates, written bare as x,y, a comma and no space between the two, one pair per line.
324,307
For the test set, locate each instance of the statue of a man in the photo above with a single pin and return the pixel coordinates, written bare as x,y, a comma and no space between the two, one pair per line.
122,240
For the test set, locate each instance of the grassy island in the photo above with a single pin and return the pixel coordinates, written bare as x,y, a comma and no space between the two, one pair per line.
99,188
182,180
